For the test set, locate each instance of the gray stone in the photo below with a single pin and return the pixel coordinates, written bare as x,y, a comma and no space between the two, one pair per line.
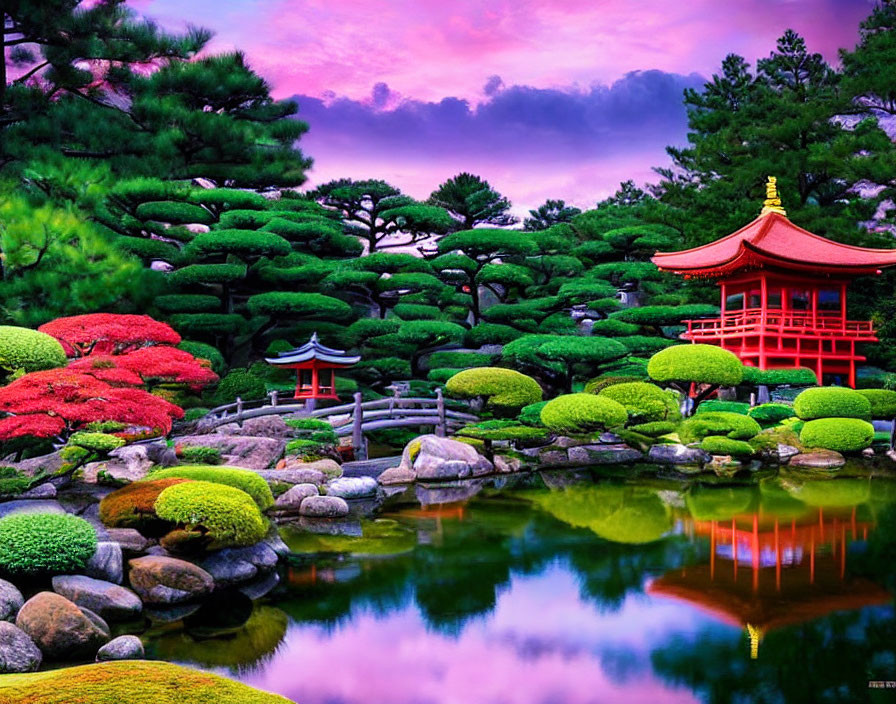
49,464
818,459
237,565
553,458
135,461
172,613
265,427
60,628
128,539
352,487
11,600
677,454
324,507
275,543
245,451
293,476
106,563
432,453
110,601
331,469
261,586
9,508
18,653
41,491
566,442
160,579
397,475
506,465
291,500
602,454
331,526
121,648
785,452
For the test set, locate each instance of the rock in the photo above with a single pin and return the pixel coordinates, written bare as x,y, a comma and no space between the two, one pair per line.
49,464
128,539
331,526
171,614
331,469
265,427
818,459
324,507
18,653
610,438
41,491
397,475
567,442
553,458
61,629
121,648
506,465
11,600
110,601
432,453
249,452
447,493
197,227
677,454
293,476
135,461
159,453
868,452
276,543
785,452
290,500
602,454
261,586
168,580
237,565
352,487
9,508
106,563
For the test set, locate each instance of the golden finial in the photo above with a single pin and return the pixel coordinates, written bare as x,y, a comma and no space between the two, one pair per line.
772,203
755,636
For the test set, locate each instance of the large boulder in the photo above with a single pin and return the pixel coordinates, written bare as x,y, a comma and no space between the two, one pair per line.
166,580
134,459
291,500
128,540
107,562
121,648
237,565
818,459
397,475
249,452
18,653
111,601
41,491
677,454
602,454
352,487
10,508
61,629
324,507
264,427
293,476
11,601
434,458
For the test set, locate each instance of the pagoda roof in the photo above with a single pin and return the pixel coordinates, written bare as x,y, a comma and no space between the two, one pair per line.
771,240
314,350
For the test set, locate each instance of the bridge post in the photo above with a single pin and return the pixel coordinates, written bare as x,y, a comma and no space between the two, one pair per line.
442,426
239,411
358,443
273,394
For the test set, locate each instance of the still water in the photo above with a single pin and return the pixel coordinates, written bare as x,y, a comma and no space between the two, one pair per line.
565,588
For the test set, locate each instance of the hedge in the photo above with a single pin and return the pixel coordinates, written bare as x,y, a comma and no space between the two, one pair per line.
582,413
732,425
503,389
840,434
174,213
239,383
243,479
771,413
883,402
132,506
831,402
798,376
45,543
222,515
644,402
703,364
207,274
715,405
717,445
29,350
188,303
253,243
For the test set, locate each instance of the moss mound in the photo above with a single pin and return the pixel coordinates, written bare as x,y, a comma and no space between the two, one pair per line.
133,506
707,364
644,402
716,445
29,350
831,402
45,543
243,479
731,425
582,413
504,389
129,682
840,434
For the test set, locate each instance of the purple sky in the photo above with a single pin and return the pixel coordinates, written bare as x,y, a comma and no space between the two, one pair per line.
544,98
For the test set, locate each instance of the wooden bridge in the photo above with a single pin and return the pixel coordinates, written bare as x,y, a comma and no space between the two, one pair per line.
351,419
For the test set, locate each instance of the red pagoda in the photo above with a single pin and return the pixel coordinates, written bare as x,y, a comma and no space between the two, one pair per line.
314,364
783,292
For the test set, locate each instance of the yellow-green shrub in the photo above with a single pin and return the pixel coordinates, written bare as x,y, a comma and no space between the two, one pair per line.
582,413
840,434
831,402
243,479
503,389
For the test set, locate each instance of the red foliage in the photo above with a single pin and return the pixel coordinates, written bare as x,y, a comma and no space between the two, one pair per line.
148,365
108,333
49,403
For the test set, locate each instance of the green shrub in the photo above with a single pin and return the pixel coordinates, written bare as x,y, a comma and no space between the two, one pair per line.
490,334
45,543
655,429
503,389
174,213
531,414
239,383
198,454
831,402
582,413
440,376
244,479
201,350
644,402
461,360
417,311
598,384
771,413
840,434
228,199
195,414
308,424
883,402
29,350
306,449
243,243
717,445
703,364
732,425
223,515
715,405
613,328
207,323
644,344
96,442
146,248
502,430
207,274
188,303
299,305
799,376
658,316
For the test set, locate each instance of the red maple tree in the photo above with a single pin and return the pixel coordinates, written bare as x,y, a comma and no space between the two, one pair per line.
108,333
57,402
148,366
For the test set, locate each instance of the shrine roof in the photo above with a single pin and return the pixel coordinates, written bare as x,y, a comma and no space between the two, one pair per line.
313,349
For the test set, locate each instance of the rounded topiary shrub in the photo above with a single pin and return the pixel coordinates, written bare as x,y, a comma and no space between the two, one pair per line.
771,413
96,442
598,384
243,479
29,350
218,516
883,402
797,376
644,402
840,434
716,405
582,413
531,414
45,543
133,506
655,429
719,445
705,364
732,425
831,402
503,389
242,384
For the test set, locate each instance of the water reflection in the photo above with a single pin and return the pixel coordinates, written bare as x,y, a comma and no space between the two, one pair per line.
563,589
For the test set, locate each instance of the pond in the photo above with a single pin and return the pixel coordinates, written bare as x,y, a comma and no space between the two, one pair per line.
568,588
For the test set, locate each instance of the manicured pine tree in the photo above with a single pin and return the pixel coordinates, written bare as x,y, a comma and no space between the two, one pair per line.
472,201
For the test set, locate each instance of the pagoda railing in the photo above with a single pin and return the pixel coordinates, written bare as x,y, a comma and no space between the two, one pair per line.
753,320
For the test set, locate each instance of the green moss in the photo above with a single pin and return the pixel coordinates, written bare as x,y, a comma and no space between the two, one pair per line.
227,517
644,402
582,413
243,479
598,384
45,543
655,429
503,389
883,402
717,445
715,405
705,364
503,430
440,376
799,376
732,425
29,350
174,213
771,413
531,414
840,434
242,384
96,442
460,360
831,402
129,682
197,454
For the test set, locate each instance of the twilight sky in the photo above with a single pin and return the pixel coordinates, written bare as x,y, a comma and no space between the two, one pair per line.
544,98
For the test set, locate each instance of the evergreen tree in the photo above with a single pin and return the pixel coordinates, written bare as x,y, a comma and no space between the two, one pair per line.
551,213
472,201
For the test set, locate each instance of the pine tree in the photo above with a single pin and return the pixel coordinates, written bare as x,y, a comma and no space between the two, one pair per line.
472,201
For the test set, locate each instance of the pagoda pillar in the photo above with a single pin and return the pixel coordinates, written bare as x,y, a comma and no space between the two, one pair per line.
763,303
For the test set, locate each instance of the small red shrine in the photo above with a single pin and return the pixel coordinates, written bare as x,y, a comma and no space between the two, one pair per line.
314,364
783,292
